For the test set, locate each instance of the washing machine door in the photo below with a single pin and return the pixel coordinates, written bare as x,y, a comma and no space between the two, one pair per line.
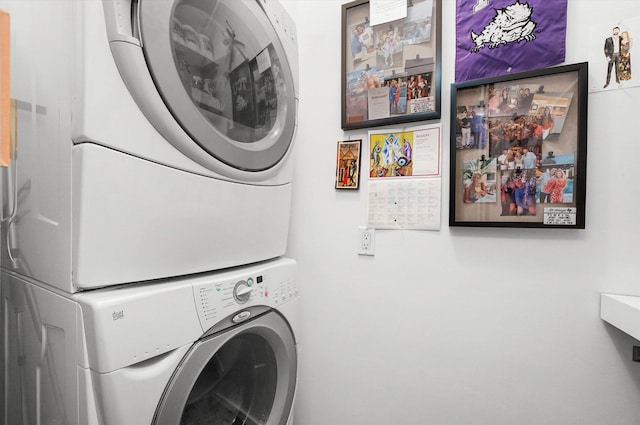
223,73
245,375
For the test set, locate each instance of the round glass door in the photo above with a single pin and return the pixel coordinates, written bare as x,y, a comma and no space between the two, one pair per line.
224,75
237,386
245,376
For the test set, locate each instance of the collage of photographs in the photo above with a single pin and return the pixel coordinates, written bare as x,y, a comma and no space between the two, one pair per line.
389,67
516,148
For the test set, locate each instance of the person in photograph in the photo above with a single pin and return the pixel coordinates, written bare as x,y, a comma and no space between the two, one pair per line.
411,87
475,190
525,103
388,47
423,86
547,122
625,57
477,128
518,162
502,159
484,135
465,128
366,38
393,89
387,51
373,81
528,159
507,195
520,97
520,131
425,29
537,127
557,194
555,187
401,95
505,101
493,102
530,193
356,46
510,160
612,52
520,196
545,191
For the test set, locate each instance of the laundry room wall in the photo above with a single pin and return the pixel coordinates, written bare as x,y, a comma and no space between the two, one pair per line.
463,325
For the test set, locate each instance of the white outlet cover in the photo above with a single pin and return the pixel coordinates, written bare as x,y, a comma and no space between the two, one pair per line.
366,241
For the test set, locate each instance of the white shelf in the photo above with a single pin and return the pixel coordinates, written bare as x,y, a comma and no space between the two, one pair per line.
622,311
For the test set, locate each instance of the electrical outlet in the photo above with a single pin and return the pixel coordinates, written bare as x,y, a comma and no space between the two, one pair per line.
636,353
366,241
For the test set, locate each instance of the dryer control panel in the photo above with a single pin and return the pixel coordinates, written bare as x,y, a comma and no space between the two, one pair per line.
220,296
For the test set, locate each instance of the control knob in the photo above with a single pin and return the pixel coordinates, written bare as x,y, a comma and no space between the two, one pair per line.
242,292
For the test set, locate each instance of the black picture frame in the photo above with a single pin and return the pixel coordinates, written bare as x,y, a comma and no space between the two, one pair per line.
519,150
348,168
407,51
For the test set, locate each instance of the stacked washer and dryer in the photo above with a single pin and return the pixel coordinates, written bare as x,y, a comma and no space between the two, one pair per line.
146,212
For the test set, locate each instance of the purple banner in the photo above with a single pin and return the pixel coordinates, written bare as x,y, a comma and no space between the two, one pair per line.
498,37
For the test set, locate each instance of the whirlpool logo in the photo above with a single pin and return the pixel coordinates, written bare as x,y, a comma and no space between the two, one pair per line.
117,315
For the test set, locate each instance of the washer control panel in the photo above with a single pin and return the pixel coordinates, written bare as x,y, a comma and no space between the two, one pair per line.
217,298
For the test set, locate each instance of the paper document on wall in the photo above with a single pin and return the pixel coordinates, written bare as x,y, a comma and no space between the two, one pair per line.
382,11
405,203
404,178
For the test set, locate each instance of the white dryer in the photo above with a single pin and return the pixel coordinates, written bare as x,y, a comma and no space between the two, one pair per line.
221,348
153,138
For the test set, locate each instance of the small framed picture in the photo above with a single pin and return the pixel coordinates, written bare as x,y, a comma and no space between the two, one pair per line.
348,164
519,149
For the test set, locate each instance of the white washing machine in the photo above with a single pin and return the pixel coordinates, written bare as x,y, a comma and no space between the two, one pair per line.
221,348
153,138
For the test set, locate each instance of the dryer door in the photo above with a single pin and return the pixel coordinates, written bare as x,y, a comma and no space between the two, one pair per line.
223,73
246,375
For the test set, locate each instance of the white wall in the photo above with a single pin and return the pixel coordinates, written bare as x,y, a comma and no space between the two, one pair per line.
465,325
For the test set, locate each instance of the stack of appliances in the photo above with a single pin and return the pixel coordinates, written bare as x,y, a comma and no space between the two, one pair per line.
146,212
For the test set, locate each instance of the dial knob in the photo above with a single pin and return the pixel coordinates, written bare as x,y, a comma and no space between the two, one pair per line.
242,292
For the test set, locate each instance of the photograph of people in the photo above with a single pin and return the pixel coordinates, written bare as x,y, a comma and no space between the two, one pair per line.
366,38
475,189
389,46
518,193
516,132
555,186
358,85
546,122
479,180
419,15
557,172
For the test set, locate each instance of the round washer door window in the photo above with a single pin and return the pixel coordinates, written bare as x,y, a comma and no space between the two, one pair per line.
244,376
223,73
